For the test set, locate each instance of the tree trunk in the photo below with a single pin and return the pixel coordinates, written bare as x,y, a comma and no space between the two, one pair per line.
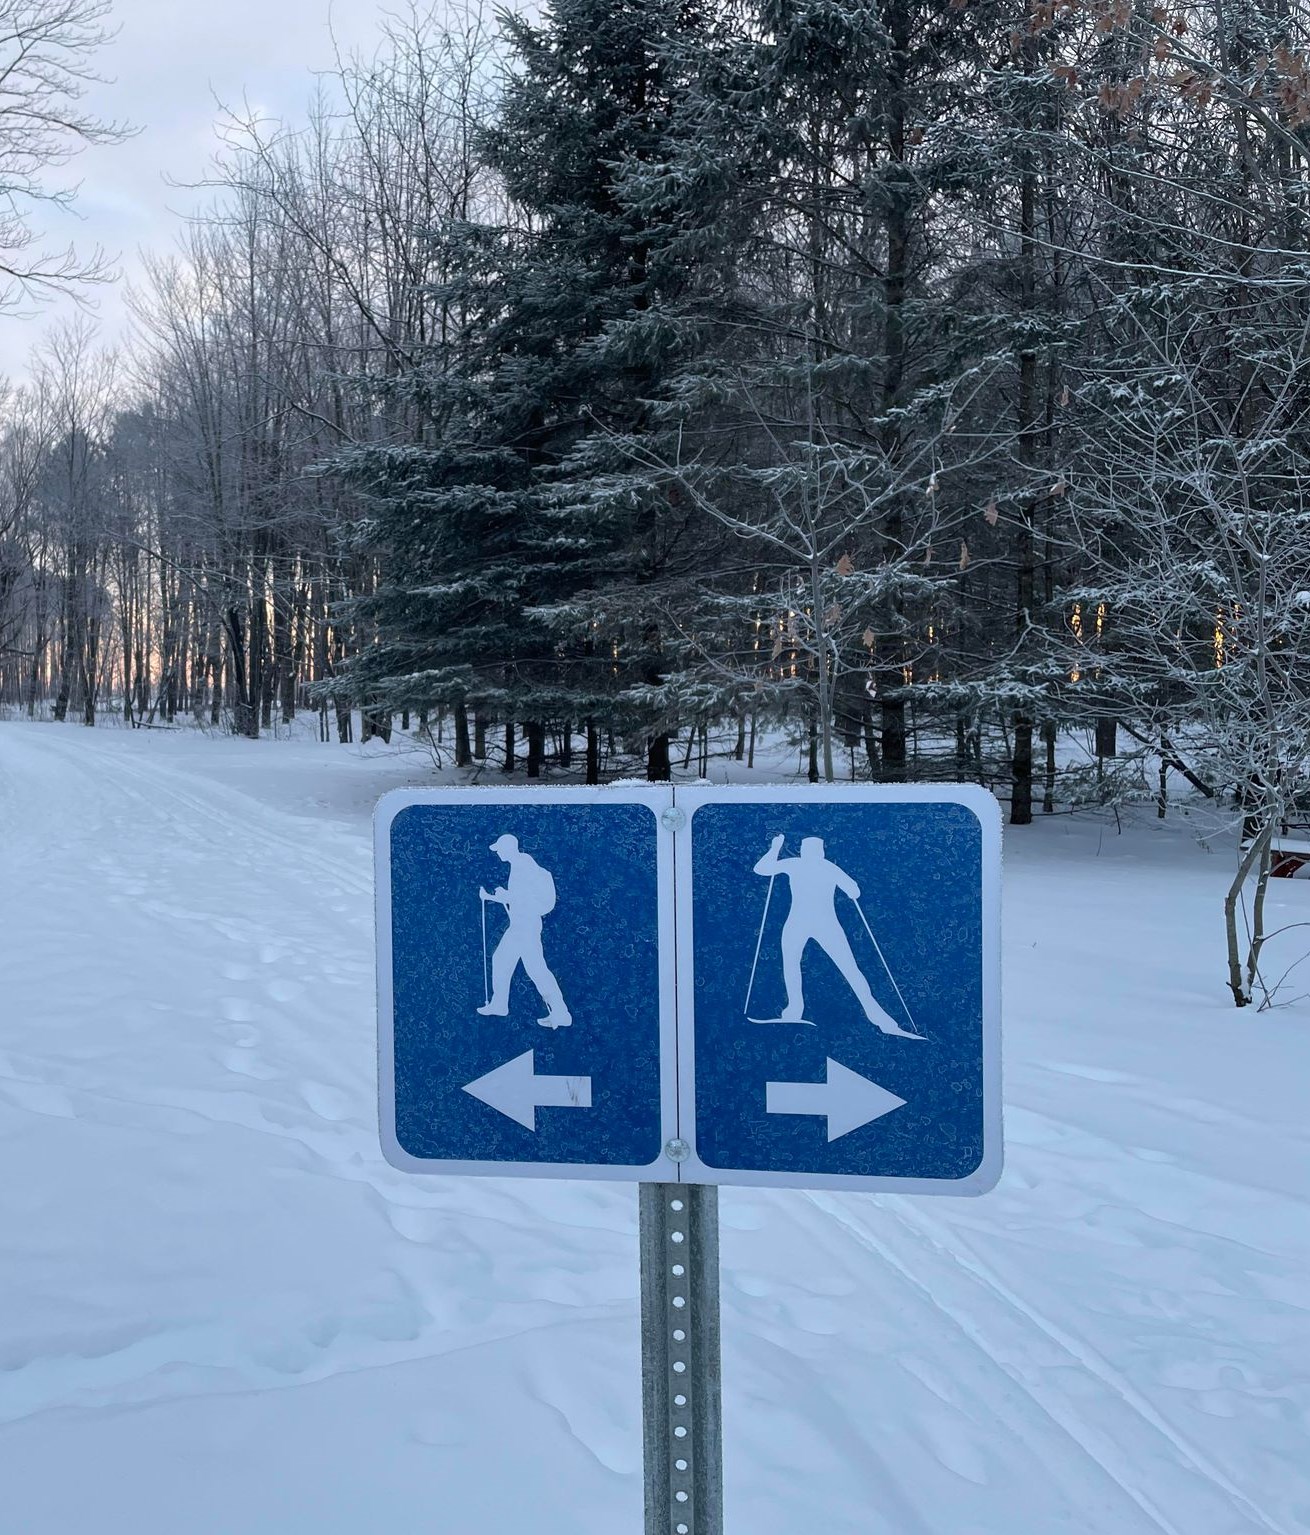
463,752
64,694
893,754
870,739
593,752
216,701
129,656
1028,426
90,662
536,733
283,664
900,194
658,767
34,675
256,664
292,684
1256,853
1048,787
1258,933
245,712
1021,772
375,721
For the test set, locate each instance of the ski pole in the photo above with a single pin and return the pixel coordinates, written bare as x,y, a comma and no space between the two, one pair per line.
750,987
883,958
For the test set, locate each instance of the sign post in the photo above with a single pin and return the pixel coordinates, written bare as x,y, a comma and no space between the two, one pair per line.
681,1391
772,986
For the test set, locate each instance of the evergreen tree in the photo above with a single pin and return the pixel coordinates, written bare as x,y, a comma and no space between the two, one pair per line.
604,143
843,472
523,555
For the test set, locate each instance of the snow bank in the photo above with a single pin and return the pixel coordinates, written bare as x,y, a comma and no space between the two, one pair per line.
221,1312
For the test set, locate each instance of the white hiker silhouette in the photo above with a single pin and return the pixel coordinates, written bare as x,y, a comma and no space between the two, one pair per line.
528,896
813,919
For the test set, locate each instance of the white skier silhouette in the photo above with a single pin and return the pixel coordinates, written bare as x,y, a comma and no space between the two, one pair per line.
813,918
528,897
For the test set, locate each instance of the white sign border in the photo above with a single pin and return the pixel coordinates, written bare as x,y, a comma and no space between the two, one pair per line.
657,798
973,797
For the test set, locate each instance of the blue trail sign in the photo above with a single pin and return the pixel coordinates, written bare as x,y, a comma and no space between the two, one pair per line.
524,973
838,990
831,1020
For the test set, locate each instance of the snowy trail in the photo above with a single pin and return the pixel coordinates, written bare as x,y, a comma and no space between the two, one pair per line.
220,1304
996,1314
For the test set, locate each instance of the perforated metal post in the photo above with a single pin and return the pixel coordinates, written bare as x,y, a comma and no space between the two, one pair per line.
681,1383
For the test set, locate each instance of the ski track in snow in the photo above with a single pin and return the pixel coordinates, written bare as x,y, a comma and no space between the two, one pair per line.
220,1304
970,1320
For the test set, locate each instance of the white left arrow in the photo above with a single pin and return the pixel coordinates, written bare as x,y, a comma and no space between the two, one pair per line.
848,1100
516,1090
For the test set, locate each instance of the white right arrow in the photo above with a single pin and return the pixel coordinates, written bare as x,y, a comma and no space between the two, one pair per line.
515,1090
847,1099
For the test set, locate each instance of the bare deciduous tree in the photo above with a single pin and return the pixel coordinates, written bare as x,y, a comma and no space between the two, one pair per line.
47,49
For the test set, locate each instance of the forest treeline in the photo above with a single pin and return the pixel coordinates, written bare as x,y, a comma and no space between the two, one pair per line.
926,376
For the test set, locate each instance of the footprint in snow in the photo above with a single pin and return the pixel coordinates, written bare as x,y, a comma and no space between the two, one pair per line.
241,1035
39,1098
284,990
243,1064
328,1103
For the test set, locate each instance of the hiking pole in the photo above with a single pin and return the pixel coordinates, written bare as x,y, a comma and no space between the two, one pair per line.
758,942
883,958
486,982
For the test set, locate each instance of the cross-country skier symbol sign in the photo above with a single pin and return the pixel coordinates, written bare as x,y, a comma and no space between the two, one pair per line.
866,917
813,918
528,897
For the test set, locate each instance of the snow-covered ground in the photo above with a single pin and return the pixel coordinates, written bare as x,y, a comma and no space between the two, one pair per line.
222,1313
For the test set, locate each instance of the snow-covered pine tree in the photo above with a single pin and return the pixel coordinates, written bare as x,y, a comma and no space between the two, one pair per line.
525,559
607,145
1026,214
827,445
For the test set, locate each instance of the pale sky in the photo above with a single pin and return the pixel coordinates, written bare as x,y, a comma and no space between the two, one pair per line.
169,63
